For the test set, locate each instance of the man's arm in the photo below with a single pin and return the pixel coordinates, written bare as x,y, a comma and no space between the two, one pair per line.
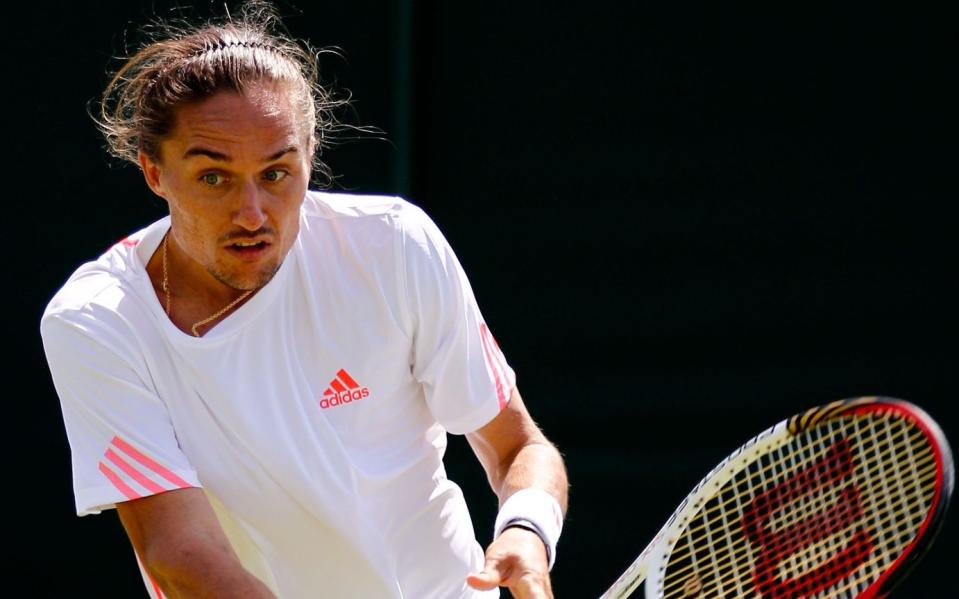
179,540
516,455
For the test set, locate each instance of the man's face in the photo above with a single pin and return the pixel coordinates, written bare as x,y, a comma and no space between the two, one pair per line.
234,171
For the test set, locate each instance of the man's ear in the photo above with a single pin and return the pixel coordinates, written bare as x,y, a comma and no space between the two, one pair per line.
151,172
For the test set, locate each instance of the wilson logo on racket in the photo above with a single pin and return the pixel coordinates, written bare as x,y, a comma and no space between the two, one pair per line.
837,502
342,390
775,546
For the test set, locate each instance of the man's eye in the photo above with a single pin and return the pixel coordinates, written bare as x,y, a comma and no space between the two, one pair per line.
211,179
275,175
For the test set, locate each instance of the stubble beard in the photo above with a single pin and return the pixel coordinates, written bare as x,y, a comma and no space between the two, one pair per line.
235,282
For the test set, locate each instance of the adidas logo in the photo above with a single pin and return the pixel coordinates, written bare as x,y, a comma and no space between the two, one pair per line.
343,389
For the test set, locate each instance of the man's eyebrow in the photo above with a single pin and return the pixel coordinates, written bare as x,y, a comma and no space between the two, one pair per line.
220,156
278,155
211,154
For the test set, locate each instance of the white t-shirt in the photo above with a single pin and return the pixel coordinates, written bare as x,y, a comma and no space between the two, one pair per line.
314,416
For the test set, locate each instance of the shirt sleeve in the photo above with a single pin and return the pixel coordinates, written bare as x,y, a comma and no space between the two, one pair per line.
465,376
122,441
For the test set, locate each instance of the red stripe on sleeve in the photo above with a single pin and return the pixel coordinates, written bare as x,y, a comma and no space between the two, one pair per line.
135,474
493,365
149,463
501,360
156,588
157,592
118,482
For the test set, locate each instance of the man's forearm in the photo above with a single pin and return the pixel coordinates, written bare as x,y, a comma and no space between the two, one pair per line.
181,545
538,465
517,455
201,571
527,473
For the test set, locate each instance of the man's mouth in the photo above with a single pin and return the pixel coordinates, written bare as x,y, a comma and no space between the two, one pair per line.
248,248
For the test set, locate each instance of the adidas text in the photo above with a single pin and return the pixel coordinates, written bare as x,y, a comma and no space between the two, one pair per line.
344,397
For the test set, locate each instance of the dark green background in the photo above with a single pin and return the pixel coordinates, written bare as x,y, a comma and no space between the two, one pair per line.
683,221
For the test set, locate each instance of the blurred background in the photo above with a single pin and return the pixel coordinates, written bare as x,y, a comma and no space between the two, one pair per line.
683,221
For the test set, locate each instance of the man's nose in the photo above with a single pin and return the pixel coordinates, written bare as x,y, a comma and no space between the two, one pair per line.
249,212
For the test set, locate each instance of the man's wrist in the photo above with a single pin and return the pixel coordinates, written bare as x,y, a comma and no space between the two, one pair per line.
524,524
537,511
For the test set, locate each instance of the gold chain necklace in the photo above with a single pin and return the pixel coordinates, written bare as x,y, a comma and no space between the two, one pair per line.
199,323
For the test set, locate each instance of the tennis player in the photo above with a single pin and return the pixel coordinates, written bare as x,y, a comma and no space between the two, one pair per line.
261,383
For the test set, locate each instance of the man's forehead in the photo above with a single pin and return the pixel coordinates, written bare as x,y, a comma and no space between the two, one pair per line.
212,125
232,148
230,107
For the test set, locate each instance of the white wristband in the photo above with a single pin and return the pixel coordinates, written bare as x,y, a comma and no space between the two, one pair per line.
536,509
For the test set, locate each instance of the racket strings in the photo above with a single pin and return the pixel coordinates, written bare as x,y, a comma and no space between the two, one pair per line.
879,463
741,543
736,573
765,474
811,553
804,559
784,514
715,558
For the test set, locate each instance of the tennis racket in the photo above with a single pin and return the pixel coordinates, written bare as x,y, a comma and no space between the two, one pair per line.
836,502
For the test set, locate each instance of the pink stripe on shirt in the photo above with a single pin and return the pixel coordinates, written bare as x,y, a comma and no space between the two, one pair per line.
494,365
118,482
156,588
157,593
133,472
149,463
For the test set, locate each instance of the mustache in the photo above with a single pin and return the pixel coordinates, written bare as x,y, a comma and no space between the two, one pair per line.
259,234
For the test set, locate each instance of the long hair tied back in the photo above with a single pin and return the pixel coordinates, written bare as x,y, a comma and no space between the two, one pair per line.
181,62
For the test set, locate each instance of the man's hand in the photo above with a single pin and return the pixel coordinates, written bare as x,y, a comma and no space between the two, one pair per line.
516,560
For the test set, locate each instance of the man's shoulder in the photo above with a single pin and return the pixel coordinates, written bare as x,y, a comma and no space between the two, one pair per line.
103,285
348,206
89,296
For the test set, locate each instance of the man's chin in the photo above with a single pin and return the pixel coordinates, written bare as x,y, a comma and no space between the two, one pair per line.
247,281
